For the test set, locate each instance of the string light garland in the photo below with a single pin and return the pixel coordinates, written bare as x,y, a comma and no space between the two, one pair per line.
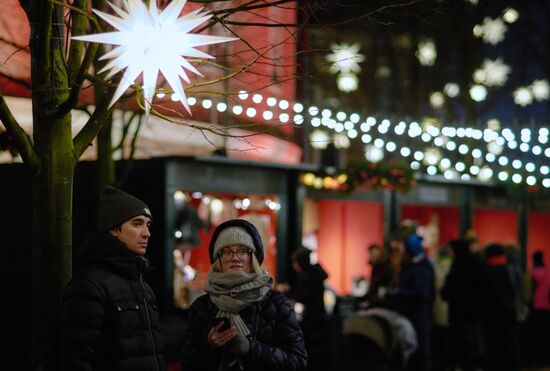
496,147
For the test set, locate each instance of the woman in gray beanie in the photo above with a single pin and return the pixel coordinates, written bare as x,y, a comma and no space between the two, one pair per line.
240,323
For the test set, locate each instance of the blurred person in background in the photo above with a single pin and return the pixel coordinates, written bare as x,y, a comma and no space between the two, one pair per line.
462,290
308,290
501,289
538,333
414,298
442,348
381,274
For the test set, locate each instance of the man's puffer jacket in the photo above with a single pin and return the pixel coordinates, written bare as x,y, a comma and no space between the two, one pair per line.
276,340
109,318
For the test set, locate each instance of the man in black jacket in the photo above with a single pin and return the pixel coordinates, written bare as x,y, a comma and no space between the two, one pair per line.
109,318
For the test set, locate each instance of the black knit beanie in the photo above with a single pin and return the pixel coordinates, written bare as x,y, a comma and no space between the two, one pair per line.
117,206
241,232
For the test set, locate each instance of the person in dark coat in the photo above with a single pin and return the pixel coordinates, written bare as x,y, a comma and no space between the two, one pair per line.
309,286
538,336
263,332
414,298
109,318
381,274
308,289
462,290
500,311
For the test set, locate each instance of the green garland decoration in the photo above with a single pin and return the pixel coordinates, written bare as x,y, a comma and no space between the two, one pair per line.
365,175
390,175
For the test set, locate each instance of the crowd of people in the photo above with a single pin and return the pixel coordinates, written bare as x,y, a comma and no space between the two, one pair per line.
471,306
466,308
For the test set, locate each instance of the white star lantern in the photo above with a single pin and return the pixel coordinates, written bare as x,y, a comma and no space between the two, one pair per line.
345,58
149,41
493,30
347,82
426,53
540,89
319,139
523,96
492,73
437,99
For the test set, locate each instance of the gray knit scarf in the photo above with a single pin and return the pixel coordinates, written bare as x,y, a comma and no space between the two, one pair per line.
234,291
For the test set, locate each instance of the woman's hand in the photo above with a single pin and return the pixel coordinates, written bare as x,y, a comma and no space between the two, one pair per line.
217,339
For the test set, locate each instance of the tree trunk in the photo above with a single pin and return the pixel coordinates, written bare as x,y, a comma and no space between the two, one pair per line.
52,239
52,182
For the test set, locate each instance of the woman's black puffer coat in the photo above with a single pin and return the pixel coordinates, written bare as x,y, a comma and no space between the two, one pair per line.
109,317
276,340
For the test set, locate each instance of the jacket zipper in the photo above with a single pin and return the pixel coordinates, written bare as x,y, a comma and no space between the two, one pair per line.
257,320
149,322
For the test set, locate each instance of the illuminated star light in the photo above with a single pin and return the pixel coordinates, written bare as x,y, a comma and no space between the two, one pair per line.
493,30
492,73
451,89
478,93
373,154
319,139
345,58
341,141
150,41
426,53
540,90
523,96
347,82
437,99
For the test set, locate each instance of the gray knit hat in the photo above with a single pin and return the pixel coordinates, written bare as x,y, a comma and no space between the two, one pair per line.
233,236
117,206
236,232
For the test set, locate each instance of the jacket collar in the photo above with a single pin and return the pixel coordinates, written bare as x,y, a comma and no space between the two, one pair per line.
106,250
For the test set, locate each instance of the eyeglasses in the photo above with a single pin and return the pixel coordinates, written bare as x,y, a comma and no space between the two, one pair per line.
241,254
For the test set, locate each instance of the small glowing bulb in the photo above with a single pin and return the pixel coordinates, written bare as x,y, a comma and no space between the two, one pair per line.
283,104
257,98
251,112
243,95
271,102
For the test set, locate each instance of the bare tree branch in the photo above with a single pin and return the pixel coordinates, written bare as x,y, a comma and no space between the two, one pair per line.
247,7
76,85
23,83
370,15
242,8
23,141
17,50
125,130
78,27
83,139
